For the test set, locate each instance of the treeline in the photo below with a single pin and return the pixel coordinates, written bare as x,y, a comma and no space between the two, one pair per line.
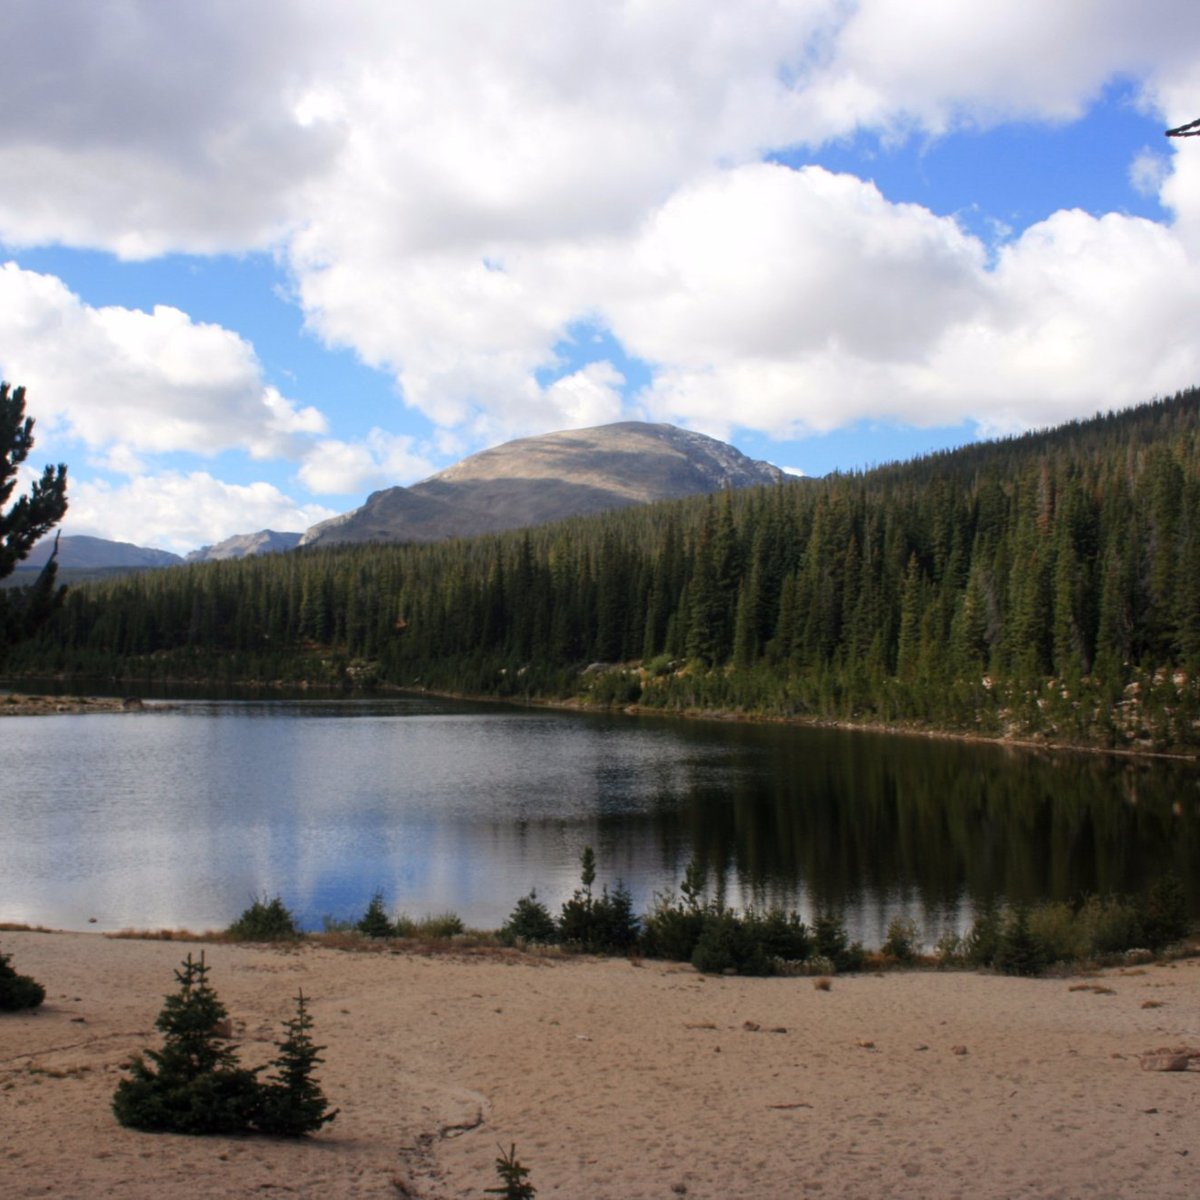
1041,585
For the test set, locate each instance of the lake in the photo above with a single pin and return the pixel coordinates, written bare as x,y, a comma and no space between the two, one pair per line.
182,817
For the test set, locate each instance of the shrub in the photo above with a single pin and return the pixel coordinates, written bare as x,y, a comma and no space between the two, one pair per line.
18,992
529,922
834,943
781,935
671,930
980,944
265,921
443,925
949,950
1110,926
725,945
902,940
1059,933
1164,913
375,922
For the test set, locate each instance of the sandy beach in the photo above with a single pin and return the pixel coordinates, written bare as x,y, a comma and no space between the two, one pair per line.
619,1080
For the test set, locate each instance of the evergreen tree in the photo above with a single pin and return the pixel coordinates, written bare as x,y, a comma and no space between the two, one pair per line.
293,1104
27,520
193,1084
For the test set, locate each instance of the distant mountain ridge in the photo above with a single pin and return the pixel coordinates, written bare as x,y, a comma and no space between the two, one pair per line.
245,545
82,553
535,480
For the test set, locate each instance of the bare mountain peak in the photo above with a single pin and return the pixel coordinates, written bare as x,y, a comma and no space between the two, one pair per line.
535,480
246,545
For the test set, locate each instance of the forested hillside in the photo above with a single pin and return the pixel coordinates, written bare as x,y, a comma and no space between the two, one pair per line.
1047,585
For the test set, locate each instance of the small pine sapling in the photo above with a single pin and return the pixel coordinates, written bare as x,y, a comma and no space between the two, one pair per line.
293,1103
265,921
18,992
530,922
513,1177
193,1084
375,922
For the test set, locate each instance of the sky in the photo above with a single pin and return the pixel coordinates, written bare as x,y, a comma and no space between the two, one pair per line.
259,258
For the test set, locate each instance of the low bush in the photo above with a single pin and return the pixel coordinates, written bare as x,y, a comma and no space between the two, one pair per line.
1164,913
833,943
983,938
949,950
1110,926
671,930
1058,933
264,921
442,925
902,940
18,992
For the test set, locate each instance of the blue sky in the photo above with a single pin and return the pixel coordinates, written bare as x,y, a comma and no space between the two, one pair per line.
262,260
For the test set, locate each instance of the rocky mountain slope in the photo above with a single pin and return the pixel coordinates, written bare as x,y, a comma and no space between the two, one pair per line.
535,480
244,545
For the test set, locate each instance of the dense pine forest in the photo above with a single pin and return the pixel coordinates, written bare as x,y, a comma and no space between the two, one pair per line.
1045,586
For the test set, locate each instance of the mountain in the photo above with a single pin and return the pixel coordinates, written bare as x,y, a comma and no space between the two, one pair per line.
536,480
80,553
246,545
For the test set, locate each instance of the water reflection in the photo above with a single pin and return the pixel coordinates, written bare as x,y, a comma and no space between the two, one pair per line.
181,818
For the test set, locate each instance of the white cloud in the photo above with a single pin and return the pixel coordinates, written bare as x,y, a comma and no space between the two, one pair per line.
382,460
1148,172
178,511
455,186
142,127
885,311
128,382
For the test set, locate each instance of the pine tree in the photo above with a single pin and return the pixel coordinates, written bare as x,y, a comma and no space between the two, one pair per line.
514,1178
27,520
193,1084
294,1104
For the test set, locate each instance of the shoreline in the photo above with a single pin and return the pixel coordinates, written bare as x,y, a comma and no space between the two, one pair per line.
36,705
620,1080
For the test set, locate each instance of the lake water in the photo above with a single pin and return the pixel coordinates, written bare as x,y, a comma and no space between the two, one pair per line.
181,818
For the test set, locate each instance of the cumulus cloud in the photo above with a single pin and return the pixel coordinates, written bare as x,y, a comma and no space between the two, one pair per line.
556,184
886,311
453,188
128,382
178,511
383,459
141,128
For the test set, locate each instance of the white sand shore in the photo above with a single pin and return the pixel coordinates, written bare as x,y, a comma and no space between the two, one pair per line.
619,1081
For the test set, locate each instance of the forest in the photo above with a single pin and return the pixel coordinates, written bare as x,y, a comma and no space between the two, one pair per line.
1041,587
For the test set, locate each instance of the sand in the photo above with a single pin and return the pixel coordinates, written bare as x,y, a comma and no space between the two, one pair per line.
618,1080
